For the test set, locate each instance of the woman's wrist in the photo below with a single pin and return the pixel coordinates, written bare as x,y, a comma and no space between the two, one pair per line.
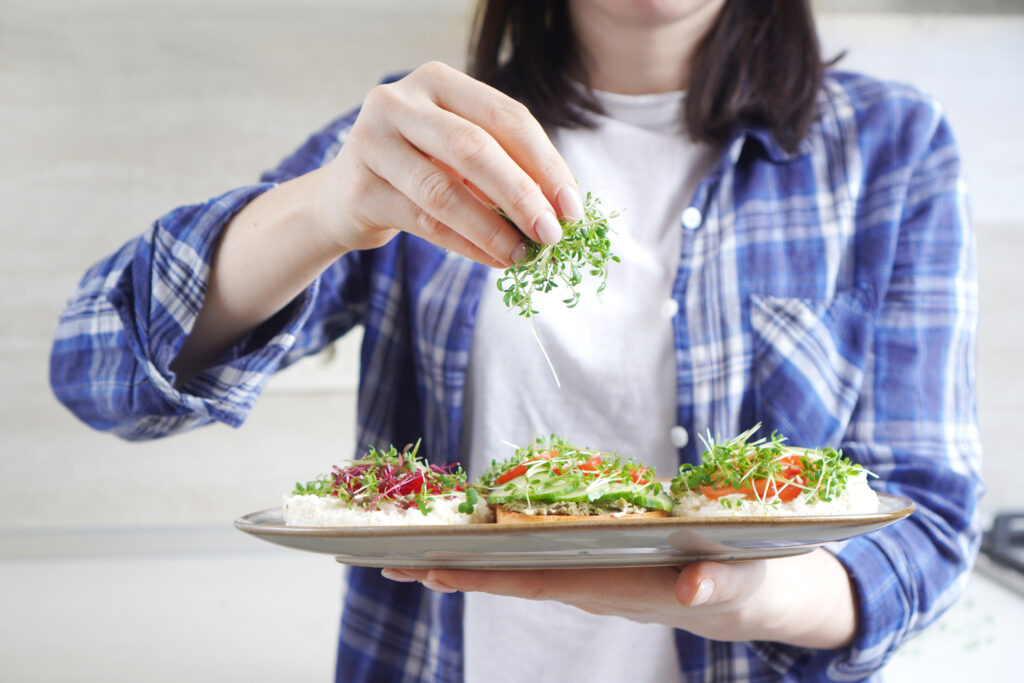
266,256
323,214
814,599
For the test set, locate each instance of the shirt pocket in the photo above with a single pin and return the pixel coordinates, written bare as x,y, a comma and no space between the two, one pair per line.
809,363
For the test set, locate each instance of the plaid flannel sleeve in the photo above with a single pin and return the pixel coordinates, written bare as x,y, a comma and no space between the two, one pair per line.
128,317
915,424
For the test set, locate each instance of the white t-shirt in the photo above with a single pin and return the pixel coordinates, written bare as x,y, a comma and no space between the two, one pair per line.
615,357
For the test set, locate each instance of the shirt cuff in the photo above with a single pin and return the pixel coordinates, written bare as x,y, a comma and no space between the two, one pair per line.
159,297
882,617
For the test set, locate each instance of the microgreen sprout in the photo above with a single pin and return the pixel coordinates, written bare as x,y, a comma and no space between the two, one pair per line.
584,247
402,478
763,469
554,459
469,505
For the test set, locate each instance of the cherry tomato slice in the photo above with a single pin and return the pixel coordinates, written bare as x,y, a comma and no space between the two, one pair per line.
509,475
720,490
759,489
784,490
520,469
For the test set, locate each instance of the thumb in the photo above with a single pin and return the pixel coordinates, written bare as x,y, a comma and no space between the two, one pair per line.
713,583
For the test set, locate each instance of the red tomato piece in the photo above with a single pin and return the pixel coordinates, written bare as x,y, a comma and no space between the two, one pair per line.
785,491
510,474
759,489
413,485
520,469
719,490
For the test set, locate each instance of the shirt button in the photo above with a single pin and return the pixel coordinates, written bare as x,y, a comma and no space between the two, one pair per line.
669,307
679,436
692,218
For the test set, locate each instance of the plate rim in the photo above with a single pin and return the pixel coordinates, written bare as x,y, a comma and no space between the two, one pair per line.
906,507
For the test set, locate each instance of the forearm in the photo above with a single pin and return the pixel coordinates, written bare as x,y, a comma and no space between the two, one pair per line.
269,253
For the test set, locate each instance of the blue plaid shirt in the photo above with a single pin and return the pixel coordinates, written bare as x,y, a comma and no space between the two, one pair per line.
829,293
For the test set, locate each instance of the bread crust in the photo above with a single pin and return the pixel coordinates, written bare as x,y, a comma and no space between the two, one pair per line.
504,516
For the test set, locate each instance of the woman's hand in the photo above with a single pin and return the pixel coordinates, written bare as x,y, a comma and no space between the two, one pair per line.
805,600
428,154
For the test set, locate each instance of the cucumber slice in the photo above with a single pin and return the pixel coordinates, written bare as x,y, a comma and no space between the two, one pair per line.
659,501
547,489
541,488
642,496
574,494
611,492
500,496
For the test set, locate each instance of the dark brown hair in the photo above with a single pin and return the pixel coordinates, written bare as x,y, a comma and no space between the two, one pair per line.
759,64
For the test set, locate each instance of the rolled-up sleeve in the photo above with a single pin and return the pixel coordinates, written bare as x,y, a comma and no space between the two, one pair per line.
128,317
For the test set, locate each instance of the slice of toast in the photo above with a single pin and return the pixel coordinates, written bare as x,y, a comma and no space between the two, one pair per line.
507,516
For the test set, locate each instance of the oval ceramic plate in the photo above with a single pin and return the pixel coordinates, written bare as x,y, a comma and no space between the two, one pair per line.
547,545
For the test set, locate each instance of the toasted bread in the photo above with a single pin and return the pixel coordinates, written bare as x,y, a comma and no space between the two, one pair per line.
506,516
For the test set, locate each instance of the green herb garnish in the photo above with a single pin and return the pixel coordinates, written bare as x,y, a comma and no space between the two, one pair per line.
556,460
584,247
766,470
469,505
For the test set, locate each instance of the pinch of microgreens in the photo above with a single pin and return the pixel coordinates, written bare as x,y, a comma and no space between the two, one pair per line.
584,246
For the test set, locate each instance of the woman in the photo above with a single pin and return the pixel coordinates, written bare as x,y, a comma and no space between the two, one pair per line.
794,251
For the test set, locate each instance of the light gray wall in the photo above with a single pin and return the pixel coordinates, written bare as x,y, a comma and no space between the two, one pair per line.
113,111
922,6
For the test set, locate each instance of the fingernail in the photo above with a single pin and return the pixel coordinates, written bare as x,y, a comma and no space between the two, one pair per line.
549,230
519,252
396,575
437,586
570,204
704,590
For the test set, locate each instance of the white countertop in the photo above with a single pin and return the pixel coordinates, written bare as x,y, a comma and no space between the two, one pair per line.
211,604
979,638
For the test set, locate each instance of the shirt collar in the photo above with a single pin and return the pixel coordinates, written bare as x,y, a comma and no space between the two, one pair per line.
770,145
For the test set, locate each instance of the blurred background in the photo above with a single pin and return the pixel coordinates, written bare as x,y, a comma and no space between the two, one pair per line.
118,561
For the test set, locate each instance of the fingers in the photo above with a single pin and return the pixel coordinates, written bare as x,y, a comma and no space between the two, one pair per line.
695,585
435,200
473,153
514,129
489,139
386,207
590,586
536,585
411,575
715,583
453,148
